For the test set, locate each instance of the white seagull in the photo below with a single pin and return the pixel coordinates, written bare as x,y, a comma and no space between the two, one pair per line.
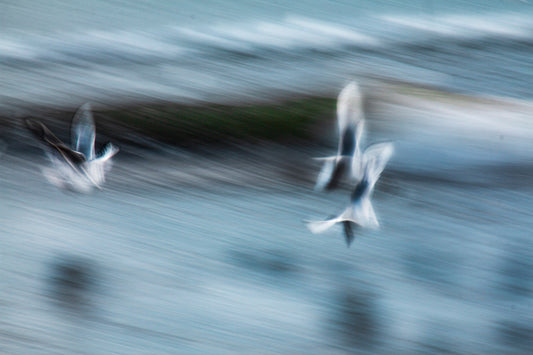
360,211
350,121
78,167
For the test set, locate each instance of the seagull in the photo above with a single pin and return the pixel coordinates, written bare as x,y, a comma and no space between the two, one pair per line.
360,212
350,121
78,167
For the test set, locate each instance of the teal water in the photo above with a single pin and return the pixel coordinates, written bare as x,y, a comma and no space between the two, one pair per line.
62,53
71,16
187,252
218,268
208,253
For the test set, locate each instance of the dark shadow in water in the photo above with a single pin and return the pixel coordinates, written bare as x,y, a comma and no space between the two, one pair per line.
516,273
516,336
338,267
357,318
434,266
436,339
272,262
72,283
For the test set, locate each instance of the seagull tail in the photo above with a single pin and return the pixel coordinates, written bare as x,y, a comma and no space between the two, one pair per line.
108,152
362,214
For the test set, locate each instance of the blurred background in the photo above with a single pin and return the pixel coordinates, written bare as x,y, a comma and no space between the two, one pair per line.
197,242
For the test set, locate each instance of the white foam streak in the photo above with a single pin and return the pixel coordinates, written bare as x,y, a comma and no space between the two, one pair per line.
509,25
15,49
293,32
125,41
334,31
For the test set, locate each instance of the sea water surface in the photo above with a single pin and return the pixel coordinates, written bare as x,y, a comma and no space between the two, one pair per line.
62,53
185,252
207,251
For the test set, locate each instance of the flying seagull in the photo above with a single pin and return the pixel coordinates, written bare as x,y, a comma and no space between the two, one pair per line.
77,167
360,212
350,122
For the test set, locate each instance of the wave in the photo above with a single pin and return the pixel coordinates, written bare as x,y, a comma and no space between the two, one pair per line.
293,34
296,53
509,25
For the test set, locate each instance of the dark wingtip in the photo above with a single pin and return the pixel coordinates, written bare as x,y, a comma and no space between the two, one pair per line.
35,127
39,130
42,132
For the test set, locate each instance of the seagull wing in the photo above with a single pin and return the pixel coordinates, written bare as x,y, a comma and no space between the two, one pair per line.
332,172
326,172
83,131
375,159
360,213
321,226
349,110
45,135
357,160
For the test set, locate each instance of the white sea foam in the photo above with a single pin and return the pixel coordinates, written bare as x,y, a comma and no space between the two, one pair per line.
295,54
473,26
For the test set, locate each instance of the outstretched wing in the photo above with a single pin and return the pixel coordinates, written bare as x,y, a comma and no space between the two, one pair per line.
83,131
324,177
349,110
332,172
42,132
321,226
375,159
357,157
357,214
359,129
45,135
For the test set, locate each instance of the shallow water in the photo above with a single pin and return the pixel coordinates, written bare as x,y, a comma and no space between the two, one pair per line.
233,269
190,252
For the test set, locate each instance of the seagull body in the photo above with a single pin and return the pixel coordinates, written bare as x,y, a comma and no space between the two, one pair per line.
360,212
78,168
350,122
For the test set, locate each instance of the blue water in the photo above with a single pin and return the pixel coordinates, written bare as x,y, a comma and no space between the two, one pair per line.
63,54
192,253
170,258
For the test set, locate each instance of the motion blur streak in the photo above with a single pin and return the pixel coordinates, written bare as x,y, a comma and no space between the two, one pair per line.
200,246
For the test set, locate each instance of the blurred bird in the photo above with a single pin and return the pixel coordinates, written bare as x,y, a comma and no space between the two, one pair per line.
360,212
77,168
350,123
